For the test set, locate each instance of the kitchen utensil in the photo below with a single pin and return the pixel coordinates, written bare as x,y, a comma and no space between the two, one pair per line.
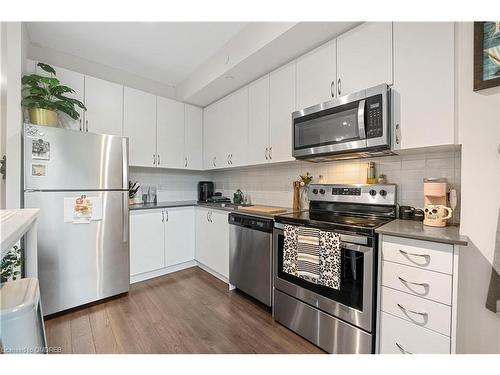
436,215
296,195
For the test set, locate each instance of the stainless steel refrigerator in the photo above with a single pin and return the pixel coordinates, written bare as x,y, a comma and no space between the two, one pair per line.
79,181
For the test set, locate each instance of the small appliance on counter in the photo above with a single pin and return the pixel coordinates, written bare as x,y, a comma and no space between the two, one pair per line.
218,198
205,191
436,213
411,213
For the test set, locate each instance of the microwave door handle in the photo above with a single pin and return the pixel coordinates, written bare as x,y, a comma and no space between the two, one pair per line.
361,119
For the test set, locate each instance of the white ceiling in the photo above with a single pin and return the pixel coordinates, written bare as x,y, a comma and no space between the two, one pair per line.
166,52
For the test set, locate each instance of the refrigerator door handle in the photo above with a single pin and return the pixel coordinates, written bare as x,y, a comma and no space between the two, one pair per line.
125,217
125,163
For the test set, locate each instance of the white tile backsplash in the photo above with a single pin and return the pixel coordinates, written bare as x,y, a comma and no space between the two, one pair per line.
272,184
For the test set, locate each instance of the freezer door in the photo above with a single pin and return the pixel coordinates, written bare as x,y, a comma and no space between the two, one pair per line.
63,159
85,262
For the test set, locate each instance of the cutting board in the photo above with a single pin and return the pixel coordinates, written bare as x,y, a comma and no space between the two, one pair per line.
263,209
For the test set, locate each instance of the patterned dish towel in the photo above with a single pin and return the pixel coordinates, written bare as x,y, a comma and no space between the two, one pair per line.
313,255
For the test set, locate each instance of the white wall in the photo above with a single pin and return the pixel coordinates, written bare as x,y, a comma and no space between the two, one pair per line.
67,61
479,132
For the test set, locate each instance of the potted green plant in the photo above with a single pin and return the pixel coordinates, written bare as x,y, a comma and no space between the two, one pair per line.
10,265
45,96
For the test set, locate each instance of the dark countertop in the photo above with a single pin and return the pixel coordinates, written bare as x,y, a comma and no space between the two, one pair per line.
419,231
215,206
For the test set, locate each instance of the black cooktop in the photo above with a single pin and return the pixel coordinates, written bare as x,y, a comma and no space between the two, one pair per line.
331,220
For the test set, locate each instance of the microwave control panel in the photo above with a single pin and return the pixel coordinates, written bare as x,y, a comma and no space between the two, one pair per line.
374,110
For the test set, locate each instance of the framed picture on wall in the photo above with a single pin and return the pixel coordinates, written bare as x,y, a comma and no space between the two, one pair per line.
486,55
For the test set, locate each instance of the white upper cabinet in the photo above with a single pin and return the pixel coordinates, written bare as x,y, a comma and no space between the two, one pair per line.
140,126
179,235
316,74
193,135
424,83
76,81
282,104
364,57
258,121
237,128
210,124
104,102
223,132
170,133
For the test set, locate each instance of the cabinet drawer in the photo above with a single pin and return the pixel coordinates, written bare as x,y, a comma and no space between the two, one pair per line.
423,254
397,336
420,311
427,284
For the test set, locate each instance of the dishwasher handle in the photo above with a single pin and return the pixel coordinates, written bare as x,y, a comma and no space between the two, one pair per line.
251,222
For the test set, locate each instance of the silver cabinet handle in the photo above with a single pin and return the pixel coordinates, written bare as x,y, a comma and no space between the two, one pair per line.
398,134
265,153
338,86
158,159
332,89
270,153
411,311
166,218
80,124
154,159
231,159
213,161
403,350
424,285
207,215
426,256
185,161
163,216
227,158
87,126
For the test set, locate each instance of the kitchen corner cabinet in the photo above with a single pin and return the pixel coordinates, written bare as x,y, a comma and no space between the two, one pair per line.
170,133
212,240
139,124
364,57
193,137
76,81
104,102
424,84
316,73
210,137
160,238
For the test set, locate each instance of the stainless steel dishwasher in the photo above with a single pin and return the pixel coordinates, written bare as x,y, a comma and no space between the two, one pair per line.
250,255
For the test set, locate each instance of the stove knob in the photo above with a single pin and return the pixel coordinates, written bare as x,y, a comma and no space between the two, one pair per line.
383,193
322,191
315,191
372,192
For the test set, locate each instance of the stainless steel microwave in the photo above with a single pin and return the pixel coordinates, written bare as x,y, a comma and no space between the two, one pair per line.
353,126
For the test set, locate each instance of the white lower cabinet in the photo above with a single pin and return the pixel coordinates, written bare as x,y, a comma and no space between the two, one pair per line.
146,241
418,297
212,240
160,238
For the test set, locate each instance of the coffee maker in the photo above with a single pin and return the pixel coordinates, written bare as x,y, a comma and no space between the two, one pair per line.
205,191
436,213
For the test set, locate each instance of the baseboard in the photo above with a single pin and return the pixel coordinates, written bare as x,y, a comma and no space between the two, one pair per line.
162,271
212,272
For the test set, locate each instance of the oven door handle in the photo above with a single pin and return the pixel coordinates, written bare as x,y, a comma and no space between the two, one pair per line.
361,119
360,248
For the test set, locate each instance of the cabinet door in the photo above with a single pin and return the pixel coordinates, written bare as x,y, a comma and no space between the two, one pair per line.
179,235
146,241
220,240
237,130
140,126
424,82
170,133
76,81
210,115
316,74
282,104
258,121
193,136
203,244
224,132
104,102
364,57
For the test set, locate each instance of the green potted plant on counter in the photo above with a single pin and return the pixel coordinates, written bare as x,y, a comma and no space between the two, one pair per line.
45,96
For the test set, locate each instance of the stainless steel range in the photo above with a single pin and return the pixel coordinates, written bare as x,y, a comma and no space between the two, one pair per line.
340,319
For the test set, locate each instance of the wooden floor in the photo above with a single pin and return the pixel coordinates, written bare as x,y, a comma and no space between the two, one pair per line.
189,311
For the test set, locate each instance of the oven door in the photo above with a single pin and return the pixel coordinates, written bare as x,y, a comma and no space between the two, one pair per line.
356,122
352,302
